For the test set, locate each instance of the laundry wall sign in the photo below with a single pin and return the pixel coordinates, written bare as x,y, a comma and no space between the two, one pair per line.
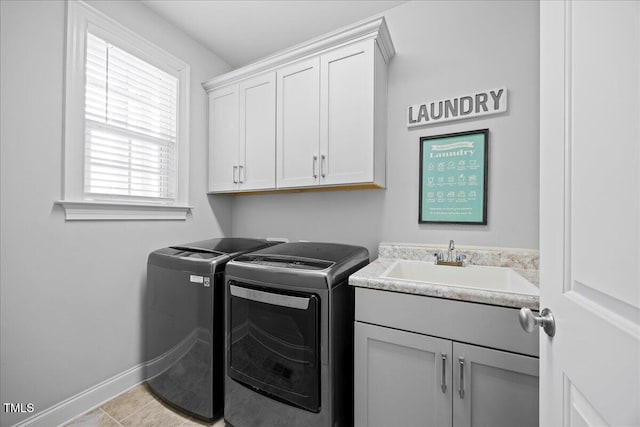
476,104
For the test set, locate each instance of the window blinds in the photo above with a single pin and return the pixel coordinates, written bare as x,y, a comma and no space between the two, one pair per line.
130,126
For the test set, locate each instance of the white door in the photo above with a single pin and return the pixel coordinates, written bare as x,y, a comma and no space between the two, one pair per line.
297,134
589,212
346,114
257,150
223,139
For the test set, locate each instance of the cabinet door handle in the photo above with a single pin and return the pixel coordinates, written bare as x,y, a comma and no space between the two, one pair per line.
323,159
461,386
240,176
315,166
235,168
443,382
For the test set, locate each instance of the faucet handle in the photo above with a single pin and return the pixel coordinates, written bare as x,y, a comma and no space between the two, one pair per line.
461,257
439,256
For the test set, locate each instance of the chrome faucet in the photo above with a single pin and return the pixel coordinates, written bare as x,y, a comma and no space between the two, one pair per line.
452,247
453,258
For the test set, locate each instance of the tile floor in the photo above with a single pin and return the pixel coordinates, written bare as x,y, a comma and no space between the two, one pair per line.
137,407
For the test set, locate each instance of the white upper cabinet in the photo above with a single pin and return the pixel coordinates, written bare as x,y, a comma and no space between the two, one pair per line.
257,158
314,117
298,124
242,136
223,139
347,140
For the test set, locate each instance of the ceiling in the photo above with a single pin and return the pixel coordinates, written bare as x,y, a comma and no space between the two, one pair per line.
242,31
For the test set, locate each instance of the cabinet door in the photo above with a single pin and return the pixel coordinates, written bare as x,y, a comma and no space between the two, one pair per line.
223,139
346,115
402,379
298,93
494,388
257,150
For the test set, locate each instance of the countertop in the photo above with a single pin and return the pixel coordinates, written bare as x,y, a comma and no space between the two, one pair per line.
369,277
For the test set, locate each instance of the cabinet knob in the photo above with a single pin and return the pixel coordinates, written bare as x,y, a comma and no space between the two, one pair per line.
529,321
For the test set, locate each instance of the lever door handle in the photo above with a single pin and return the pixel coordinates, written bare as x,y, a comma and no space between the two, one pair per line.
529,321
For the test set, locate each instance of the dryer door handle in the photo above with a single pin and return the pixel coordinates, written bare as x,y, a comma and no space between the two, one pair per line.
300,303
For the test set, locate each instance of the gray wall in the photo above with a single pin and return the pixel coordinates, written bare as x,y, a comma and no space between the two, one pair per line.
443,49
72,292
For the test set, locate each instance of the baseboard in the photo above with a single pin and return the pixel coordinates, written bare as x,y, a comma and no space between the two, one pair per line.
99,394
87,400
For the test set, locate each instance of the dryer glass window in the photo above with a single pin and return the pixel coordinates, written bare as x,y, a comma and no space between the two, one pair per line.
274,343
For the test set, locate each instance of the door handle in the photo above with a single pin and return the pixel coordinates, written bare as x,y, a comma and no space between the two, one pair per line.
235,168
461,385
240,176
529,321
323,159
315,166
443,382
300,303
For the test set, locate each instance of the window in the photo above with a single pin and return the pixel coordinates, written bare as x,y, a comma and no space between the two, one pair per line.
130,125
126,139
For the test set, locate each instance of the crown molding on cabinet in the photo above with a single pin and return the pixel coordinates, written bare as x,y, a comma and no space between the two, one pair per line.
371,29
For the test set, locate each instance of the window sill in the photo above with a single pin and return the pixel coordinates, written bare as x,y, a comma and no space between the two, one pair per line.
99,211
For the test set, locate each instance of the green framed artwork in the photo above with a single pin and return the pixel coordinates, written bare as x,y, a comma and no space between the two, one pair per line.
453,178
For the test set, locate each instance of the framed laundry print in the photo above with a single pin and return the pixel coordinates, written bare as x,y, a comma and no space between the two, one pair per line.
453,178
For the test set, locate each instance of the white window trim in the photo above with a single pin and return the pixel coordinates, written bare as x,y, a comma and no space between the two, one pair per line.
81,16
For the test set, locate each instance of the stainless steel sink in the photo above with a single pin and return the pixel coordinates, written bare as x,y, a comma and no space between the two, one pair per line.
496,279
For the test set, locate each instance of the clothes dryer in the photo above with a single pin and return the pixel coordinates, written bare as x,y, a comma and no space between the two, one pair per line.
289,336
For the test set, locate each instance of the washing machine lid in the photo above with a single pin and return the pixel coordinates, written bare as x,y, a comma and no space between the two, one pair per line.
224,246
193,253
205,256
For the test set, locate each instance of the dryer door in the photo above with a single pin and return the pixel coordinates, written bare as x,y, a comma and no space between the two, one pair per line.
274,343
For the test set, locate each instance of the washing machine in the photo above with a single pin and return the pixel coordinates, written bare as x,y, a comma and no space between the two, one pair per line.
289,336
184,326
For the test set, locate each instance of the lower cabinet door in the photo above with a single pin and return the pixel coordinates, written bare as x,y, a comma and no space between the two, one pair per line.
402,379
494,388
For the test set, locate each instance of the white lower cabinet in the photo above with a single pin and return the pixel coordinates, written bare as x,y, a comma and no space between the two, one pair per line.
399,377
405,378
494,388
